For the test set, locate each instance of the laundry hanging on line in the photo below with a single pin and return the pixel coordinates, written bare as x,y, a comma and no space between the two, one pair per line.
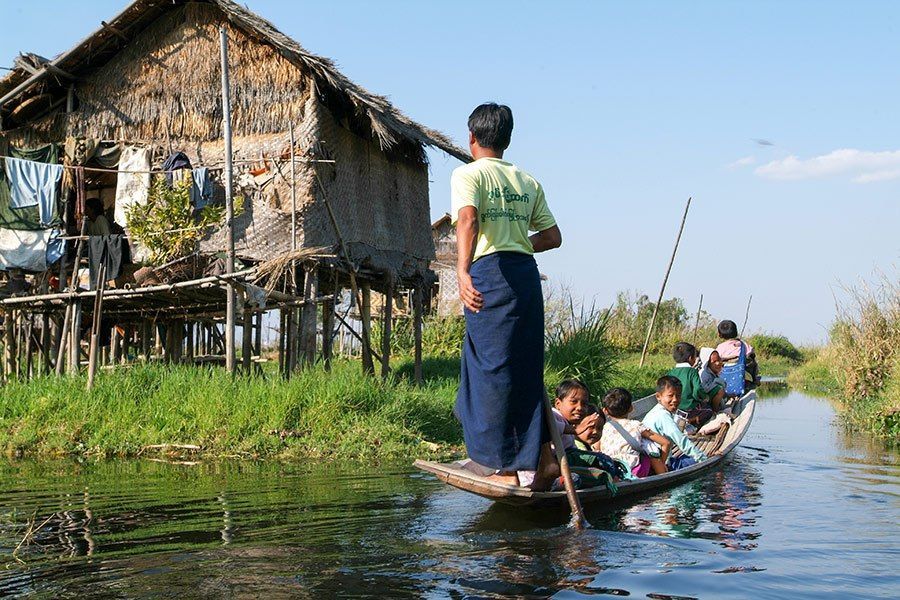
132,188
34,184
201,187
29,217
30,250
109,249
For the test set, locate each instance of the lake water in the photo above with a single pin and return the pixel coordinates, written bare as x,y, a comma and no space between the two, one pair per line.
800,510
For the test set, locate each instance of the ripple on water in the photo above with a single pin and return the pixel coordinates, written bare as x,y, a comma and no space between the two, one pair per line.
800,509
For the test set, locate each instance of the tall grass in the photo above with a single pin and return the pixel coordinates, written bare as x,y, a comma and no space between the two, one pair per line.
862,359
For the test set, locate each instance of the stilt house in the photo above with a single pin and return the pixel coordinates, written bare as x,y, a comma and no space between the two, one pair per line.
333,182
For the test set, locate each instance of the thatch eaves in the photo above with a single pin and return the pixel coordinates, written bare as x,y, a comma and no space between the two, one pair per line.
387,124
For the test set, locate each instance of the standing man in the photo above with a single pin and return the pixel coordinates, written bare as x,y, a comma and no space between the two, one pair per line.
494,206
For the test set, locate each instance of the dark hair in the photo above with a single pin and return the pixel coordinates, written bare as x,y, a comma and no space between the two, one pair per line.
567,386
727,329
683,352
492,125
668,381
617,402
94,204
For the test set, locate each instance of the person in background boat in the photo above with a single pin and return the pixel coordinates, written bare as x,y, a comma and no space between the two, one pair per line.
661,419
713,386
623,438
579,425
501,393
730,350
692,394
97,223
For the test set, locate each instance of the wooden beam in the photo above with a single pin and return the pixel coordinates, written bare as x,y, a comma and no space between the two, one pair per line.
115,30
365,315
387,323
417,332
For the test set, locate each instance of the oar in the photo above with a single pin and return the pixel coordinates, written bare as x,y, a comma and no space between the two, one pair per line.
578,521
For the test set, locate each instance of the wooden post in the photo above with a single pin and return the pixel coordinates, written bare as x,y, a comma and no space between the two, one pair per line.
63,341
365,315
114,346
247,340
9,348
328,330
309,316
697,322
293,195
663,288
95,326
229,203
295,315
146,334
387,323
258,332
45,343
189,344
28,332
75,338
417,332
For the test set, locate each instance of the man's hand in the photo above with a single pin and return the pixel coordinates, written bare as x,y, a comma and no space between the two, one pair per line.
471,298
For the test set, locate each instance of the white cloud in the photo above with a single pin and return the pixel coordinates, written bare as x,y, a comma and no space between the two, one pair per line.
862,165
742,162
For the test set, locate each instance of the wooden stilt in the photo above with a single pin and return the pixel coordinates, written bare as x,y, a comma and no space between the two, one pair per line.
28,334
45,343
328,331
75,339
365,314
417,332
114,346
9,347
95,326
387,324
309,315
247,341
64,334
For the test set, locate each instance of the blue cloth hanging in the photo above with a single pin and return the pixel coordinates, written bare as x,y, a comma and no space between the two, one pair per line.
201,187
33,183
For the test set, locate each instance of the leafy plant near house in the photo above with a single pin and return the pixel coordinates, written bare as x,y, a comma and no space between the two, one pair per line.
168,226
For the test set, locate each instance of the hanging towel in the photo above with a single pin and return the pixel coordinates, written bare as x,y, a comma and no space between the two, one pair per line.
109,248
34,183
27,249
132,188
175,162
201,187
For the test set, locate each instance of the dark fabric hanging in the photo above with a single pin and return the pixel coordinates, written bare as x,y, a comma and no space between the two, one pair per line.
111,249
175,162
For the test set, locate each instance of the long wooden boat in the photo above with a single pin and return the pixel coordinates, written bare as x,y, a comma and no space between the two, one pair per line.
469,477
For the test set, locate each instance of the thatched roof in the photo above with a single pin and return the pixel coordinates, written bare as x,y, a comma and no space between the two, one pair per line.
387,124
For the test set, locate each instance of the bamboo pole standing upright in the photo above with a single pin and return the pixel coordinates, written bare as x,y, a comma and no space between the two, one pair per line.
417,332
293,195
746,315
697,322
662,290
95,325
387,322
229,203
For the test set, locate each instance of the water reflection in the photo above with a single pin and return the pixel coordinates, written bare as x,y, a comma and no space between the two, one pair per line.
753,527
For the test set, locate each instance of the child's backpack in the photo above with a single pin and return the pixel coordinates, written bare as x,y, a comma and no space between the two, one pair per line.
734,374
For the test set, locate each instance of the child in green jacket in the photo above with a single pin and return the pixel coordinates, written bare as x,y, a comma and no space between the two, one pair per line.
692,394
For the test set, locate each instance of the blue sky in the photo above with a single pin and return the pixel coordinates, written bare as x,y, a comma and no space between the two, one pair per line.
623,110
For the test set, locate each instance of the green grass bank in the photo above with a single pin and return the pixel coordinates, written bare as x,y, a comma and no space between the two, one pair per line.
860,365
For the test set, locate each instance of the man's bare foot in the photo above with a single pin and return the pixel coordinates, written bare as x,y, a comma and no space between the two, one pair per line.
547,471
507,478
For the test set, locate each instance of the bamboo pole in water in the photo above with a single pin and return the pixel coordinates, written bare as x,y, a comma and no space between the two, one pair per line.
578,520
663,288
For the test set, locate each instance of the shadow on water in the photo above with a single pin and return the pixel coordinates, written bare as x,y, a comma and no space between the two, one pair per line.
764,524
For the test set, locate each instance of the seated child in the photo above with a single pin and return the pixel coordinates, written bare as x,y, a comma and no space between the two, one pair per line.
712,385
571,409
622,436
692,394
661,419
730,350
